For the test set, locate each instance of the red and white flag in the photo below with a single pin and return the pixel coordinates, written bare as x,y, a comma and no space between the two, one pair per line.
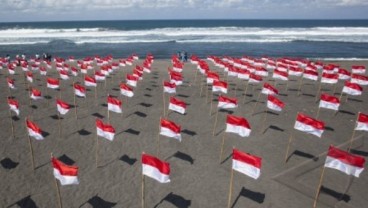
35,94
329,102
155,168
62,107
105,130
269,89
99,76
131,80
169,87
358,69
310,74
344,161
281,75
66,174
237,125
10,83
274,104
227,102
29,76
33,130
64,75
14,106
343,74
170,129
219,86
79,90
90,81
176,79
74,71
329,78
177,105
295,71
244,74
352,88
212,76
247,164
126,90
309,125
114,104
359,79
362,122
254,78
52,83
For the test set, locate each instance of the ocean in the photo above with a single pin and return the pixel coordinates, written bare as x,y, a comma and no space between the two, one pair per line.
315,39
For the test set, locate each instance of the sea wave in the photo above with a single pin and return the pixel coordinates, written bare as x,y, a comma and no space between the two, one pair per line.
184,35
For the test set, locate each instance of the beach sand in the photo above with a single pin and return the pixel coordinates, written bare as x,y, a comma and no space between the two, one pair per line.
198,179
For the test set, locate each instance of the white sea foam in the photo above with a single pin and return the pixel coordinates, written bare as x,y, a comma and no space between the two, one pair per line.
185,35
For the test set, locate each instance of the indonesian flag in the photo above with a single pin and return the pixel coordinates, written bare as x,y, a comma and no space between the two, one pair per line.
11,69
359,79
105,130
14,105
177,105
170,129
247,164
309,74
126,90
90,81
169,87
352,88
295,71
358,69
62,107
343,74
254,78
277,74
274,104
43,71
362,123
261,72
227,102
219,86
329,78
212,76
66,174
178,67
131,80
64,74
114,104
269,89
178,80
52,83
79,90
138,74
35,94
344,161
99,76
29,76
33,130
244,74
74,71
309,125
237,125
155,168
10,83
329,102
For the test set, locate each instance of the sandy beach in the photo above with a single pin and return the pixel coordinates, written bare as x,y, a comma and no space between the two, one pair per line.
198,179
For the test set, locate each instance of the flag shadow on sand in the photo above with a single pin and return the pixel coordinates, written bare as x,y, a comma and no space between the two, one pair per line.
26,202
302,154
255,196
176,200
182,156
8,163
98,202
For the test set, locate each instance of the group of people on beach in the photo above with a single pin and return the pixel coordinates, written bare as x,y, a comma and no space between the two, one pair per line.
19,58
183,56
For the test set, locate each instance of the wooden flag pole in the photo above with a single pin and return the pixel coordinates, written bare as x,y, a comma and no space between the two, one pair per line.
318,188
163,100
211,103
334,89
255,105
214,126
352,136
236,86
264,120
108,112
142,190
60,92
245,91
12,123
206,88
222,146
346,99
57,190
287,86
200,93
30,146
318,112
158,138
300,86
75,108
59,118
340,96
96,150
231,187
288,147
318,91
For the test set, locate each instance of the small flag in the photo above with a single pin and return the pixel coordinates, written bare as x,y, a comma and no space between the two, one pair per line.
343,74
227,102
14,105
169,87
212,76
155,168
52,83
247,164
344,161
329,78
362,122
79,90
90,81
255,78
33,130
170,129
359,79
114,104
126,90
35,94
177,105
295,71
269,89
281,75
105,130
310,74
99,76
237,125
358,69
274,104
66,174
329,102
29,76
352,88
219,86
10,83
62,107
131,80
64,75
309,125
